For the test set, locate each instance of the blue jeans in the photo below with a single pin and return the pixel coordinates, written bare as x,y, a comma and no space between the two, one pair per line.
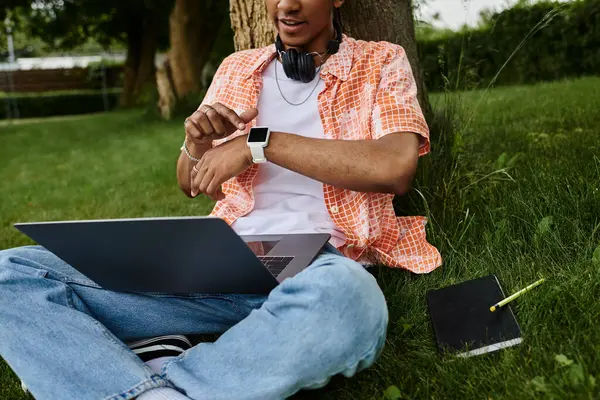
64,335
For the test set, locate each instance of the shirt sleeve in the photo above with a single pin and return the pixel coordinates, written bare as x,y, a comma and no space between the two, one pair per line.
396,106
214,92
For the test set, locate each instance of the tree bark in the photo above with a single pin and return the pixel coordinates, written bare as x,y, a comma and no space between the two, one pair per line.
251,25
139,65
193,26
132,62
147,66
388,20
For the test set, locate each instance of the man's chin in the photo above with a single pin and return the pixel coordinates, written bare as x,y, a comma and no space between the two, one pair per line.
293,41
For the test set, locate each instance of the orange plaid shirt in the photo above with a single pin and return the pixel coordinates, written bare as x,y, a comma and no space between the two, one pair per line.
370,92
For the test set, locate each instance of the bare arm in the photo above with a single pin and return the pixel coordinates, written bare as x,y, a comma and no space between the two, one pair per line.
386,165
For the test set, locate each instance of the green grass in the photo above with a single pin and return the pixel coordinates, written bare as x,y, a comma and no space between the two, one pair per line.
520,198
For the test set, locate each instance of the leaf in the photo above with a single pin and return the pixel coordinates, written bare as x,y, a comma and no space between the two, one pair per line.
514,160
596,256
393,393
563,360
539,384
406,328
576,374
501,161
592,380
545,225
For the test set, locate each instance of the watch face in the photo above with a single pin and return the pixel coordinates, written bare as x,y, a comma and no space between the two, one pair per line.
258,135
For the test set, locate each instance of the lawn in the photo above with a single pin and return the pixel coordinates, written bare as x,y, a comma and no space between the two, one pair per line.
520,198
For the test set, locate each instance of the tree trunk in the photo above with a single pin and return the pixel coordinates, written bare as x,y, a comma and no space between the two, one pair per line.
147,66
139,66
193,26
251,25
388,20
134,50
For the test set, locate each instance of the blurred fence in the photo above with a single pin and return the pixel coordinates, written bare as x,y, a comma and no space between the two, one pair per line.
46,80
58,86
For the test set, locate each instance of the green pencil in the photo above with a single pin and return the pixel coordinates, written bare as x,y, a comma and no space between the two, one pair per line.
514,296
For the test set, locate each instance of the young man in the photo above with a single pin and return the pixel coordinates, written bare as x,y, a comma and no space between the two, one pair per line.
342,145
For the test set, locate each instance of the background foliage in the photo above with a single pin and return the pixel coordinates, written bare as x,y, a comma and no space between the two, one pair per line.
563,41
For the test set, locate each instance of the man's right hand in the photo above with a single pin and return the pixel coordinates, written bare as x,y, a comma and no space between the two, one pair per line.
215,122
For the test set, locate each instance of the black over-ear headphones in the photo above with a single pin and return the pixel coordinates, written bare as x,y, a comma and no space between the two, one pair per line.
300,66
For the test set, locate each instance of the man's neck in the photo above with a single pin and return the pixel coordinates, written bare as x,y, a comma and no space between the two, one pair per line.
319,45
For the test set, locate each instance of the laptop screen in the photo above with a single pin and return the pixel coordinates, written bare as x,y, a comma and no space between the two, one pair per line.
262,248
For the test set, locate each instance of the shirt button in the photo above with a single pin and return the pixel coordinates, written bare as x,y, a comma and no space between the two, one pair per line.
335,209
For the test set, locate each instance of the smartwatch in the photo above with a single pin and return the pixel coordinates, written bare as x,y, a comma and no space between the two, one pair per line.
258,139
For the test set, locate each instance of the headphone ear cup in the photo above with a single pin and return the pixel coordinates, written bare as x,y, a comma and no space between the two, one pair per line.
309,68
302,67
295,74
287,64
298,66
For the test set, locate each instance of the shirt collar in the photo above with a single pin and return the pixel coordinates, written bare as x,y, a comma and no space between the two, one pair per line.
338,64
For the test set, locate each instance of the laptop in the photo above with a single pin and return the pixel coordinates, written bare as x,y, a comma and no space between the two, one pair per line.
176,255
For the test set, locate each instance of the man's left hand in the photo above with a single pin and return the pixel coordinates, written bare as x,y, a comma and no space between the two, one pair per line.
218,165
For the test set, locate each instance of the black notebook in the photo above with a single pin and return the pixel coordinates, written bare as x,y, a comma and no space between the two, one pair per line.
462,320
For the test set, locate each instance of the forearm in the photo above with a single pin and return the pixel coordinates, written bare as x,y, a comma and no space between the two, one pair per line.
361,165
185,165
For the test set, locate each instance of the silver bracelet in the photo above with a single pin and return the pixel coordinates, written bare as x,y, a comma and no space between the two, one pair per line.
187,152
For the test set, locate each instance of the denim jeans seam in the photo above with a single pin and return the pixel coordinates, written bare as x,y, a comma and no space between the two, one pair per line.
105,331
176,360
74,281
237,309
40,271
200,297
69,296
254,305
155,381
224,297
60,277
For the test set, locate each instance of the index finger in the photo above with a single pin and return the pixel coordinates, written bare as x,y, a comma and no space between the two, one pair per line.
230,115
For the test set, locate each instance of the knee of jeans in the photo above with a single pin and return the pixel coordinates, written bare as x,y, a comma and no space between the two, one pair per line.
353,307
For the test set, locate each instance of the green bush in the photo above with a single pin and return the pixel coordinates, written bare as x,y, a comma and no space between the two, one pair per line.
562,41
36,105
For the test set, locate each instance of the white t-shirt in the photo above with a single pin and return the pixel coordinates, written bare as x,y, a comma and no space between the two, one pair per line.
287,202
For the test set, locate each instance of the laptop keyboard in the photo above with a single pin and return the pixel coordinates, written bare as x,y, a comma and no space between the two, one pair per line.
275,264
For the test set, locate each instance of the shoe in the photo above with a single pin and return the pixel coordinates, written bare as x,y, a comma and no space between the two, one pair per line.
162,346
